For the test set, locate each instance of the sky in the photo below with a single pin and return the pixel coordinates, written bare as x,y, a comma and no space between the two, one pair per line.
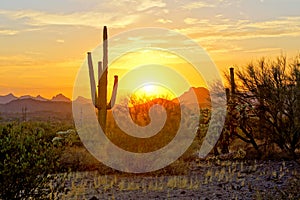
43,44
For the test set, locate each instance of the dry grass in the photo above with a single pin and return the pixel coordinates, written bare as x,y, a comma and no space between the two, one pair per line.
253,179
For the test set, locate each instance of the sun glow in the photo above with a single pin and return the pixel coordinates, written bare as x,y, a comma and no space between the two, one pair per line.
146,68
151,91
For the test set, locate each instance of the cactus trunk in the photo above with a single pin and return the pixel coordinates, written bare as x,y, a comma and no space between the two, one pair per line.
298,97
232,83
100,98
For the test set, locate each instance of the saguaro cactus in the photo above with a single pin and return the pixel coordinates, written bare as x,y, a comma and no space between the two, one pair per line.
100,98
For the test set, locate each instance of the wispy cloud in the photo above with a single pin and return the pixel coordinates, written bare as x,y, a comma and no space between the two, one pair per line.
8,32
263,50
147,4
20,60
135,5
60,41
195,5
164,21
193,21
223,35
209,4
93,19
242,29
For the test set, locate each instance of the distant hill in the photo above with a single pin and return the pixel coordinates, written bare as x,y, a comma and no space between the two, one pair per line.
7,98
38,97
10,97
82,100
37,108
33,105
61,97
202,95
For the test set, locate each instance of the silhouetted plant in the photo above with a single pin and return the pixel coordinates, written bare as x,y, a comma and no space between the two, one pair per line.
100,97
26,161
271,90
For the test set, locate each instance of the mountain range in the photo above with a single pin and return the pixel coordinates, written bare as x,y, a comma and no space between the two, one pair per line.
10,97
60,105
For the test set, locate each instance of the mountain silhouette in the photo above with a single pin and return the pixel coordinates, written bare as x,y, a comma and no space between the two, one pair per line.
7,98
82,100
202,95
38,97
60,97
36,108
33,105
10,97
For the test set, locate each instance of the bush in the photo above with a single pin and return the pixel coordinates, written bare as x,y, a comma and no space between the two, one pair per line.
273,91
27,157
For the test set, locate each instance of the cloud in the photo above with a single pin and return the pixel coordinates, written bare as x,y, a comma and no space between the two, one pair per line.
195,5
135,5
92,19
8,32
193,21
60,41
164,21
147,4
263,50
220,29
223,35
283,23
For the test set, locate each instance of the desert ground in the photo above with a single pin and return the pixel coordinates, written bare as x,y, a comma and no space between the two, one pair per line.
203,180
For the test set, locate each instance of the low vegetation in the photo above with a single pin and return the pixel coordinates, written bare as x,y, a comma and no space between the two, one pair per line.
28,157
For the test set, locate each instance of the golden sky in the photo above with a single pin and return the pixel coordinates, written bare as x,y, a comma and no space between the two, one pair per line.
43,44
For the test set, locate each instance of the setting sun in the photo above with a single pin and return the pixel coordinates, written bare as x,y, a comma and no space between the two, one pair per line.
152,91
149,88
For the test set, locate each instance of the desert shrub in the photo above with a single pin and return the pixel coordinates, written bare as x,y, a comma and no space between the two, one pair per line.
272,89
27,157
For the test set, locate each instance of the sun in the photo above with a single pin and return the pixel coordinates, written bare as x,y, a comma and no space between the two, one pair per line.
151,91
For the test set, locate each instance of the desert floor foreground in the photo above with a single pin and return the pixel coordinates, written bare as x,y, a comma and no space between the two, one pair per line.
204,180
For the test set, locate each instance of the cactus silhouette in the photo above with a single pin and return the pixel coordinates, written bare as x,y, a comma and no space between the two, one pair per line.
100,98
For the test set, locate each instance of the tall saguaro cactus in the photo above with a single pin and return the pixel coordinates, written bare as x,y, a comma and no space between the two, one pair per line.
100,98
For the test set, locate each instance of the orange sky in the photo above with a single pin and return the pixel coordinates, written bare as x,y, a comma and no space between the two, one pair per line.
43,45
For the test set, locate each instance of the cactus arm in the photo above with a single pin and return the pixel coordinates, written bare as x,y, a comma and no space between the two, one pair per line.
114,94
92,78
